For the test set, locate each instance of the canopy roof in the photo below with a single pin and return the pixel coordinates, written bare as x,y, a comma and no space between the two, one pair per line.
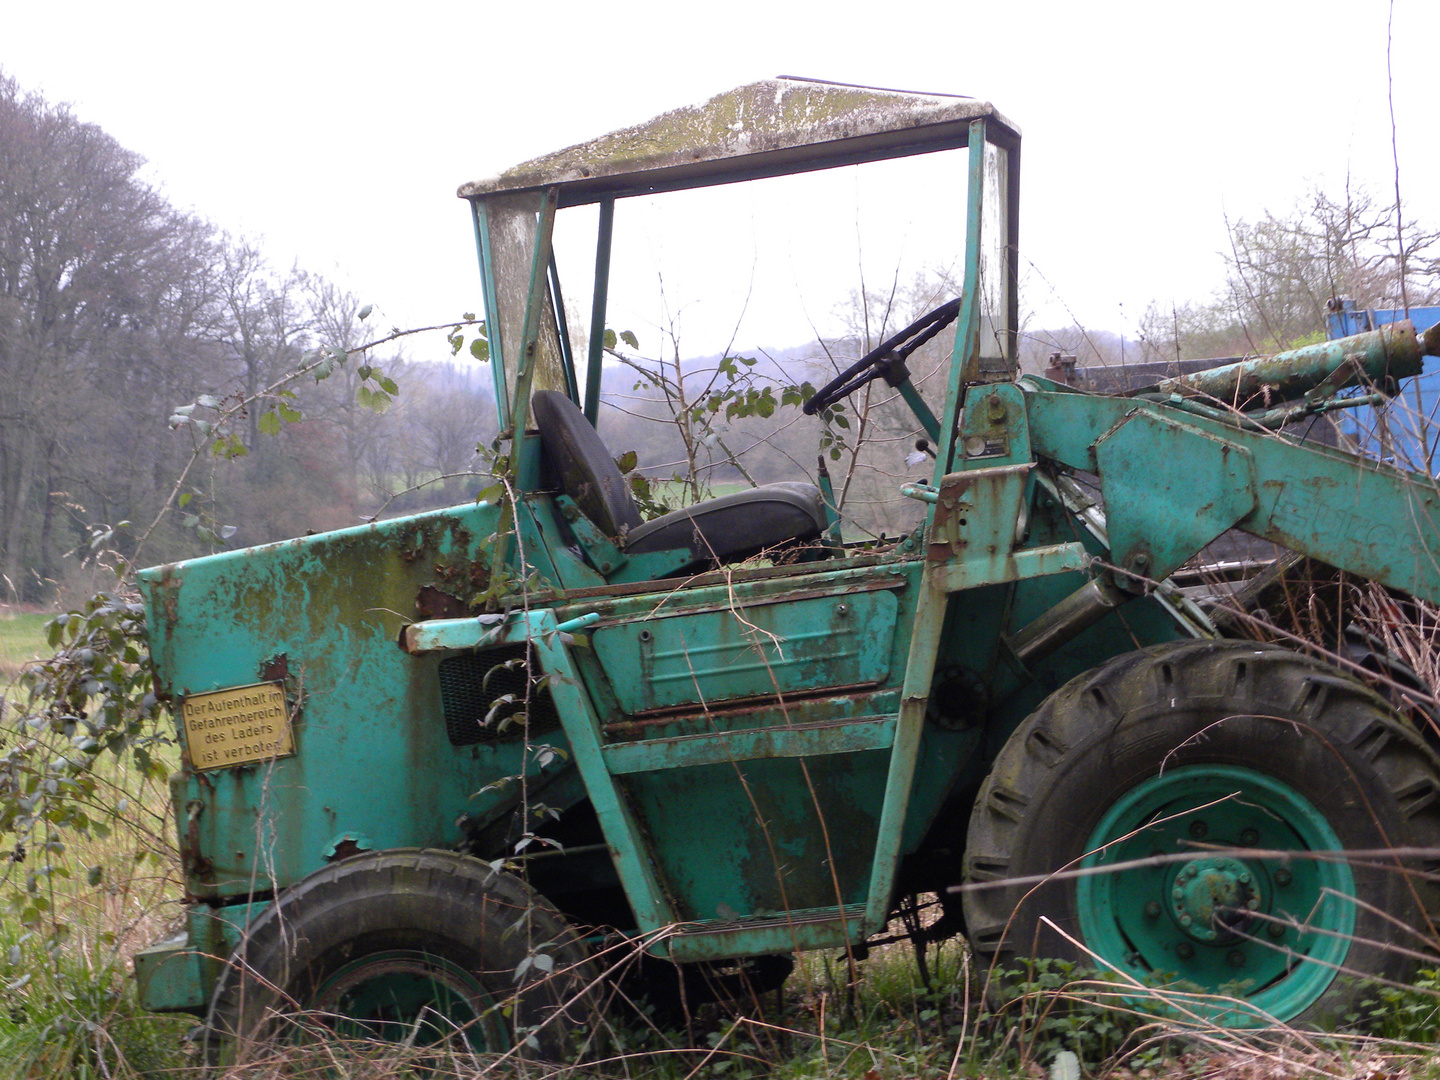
775,126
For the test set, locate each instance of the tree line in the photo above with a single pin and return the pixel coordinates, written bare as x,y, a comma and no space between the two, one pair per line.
1280,271
115,308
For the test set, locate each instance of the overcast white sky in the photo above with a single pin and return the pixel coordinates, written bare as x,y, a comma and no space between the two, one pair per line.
339,132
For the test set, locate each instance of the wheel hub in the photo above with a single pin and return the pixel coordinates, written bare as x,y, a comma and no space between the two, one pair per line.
1211,920
1212,898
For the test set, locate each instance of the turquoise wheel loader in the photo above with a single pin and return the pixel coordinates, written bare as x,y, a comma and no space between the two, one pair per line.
453,774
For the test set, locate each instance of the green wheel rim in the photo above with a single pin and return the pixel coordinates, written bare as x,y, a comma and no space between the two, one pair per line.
1266,935
408,996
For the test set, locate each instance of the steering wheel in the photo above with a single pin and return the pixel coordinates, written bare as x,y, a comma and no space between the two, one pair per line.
885,361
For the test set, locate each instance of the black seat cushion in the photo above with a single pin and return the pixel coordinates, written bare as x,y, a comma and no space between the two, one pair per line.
716,531
735,526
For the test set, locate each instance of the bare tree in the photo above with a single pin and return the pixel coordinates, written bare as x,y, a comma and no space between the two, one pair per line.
89,258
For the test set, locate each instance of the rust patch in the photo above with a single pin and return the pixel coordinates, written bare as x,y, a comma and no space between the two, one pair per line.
346,849
435,603
952,515
276,669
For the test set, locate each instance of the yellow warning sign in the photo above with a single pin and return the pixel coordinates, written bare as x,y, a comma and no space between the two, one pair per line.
238,726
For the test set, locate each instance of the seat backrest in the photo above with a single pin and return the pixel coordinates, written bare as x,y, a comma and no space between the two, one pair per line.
583,466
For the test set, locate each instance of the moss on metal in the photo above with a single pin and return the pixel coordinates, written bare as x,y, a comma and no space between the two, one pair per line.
762,117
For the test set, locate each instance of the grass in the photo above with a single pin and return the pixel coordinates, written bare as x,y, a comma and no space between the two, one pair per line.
77,905
22,639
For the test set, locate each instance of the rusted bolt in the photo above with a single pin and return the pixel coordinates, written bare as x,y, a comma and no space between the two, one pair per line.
1236,958
1185,950
1198,829
1276,930
1282,877
1249,837
1152,909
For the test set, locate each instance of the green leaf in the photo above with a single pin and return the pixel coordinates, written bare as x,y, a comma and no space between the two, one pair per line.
480,349
269,423
95,875
627,461
363,396
208,401
185,498
610,338
629,339
288,414
388,385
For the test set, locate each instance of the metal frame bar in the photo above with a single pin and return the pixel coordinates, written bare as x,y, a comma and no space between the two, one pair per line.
490,296
597,311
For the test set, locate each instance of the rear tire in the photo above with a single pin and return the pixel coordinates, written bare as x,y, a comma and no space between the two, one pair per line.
407,945
1204,752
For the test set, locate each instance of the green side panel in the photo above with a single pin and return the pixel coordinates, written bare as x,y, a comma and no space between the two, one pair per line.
1159,517
754,651
1355,514
375,765
177,974
168,977
763,837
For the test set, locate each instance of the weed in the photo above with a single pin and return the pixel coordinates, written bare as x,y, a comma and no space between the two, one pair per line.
1408,1014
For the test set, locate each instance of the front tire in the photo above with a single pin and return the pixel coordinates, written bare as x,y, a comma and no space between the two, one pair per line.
412,946
1204,754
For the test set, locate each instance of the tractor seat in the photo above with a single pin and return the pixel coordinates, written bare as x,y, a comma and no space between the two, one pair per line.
721,530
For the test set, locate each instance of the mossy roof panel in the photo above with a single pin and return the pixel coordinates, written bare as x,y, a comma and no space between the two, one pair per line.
762,129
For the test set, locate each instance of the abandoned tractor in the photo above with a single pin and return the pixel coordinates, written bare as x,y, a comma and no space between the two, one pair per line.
405,809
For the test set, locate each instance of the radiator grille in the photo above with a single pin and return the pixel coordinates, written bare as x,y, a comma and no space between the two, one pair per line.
471,685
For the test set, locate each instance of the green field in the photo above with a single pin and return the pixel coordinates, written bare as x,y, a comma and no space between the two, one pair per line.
22,638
